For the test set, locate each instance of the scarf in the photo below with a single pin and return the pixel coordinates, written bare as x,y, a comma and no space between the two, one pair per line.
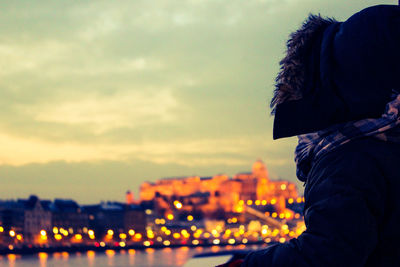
314,145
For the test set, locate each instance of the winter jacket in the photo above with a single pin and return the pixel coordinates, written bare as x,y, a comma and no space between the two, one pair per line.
337,72
352,211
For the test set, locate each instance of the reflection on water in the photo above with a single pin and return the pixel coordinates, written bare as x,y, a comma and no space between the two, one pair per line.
165,257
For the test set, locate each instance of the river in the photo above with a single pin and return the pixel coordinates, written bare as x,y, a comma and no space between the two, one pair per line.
166,257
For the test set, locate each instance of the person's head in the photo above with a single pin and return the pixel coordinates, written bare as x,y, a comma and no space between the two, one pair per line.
335,72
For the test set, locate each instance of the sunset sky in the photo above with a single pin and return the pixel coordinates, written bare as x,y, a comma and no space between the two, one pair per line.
100,96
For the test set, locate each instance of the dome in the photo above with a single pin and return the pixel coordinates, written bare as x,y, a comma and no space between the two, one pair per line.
259,169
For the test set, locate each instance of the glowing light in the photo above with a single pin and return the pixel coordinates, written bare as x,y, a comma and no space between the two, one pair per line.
258,202
264,231
241,202
110,232
244,240
166,243
290,200
195,242
1,229
297,216
146,243
273,201
148,212
193,228
19,237
249,202
282,215
90,232
170,217
110,252
78,237
122,236
282,240
131,232
58,237
176,235
12,233
274,214
283,187
43,255
190,218
122,244
150,234
167,232
288,215
298,200
216,241
264,202
178,204
43,233
231,241
234,220
55,230
138,236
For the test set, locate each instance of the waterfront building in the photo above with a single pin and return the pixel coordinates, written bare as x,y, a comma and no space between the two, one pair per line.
115,216
67,214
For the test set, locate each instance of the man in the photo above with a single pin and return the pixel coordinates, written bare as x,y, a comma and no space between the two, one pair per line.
339,91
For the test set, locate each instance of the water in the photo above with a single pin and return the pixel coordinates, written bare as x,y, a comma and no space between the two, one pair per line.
166,257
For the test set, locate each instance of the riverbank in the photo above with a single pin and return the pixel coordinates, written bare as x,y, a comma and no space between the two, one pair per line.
83,248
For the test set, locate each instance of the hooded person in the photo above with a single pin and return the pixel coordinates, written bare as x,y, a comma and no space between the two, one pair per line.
339,91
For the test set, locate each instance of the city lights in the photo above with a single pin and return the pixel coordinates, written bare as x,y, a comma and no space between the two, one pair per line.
12,233
242,220
177,204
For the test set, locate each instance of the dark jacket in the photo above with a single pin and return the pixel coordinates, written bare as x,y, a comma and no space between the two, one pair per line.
352,211
338,72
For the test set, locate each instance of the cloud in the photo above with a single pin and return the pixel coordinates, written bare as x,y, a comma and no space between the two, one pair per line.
130,109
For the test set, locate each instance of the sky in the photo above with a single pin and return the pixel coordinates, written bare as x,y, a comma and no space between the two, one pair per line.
99,96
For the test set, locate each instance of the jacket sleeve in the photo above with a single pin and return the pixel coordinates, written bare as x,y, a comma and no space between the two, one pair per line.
344,202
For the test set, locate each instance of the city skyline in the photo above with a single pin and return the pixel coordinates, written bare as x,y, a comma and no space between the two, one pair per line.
98,97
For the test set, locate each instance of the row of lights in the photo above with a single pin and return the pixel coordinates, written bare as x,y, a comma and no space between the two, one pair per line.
272,202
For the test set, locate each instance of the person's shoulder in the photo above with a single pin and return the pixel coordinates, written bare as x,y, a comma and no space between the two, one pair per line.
362,150
354,162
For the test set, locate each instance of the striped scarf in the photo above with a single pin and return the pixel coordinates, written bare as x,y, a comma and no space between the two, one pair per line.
314,145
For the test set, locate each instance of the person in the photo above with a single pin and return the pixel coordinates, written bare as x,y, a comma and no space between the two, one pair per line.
339,91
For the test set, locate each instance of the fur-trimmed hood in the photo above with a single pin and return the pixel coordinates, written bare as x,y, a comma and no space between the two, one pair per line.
335,72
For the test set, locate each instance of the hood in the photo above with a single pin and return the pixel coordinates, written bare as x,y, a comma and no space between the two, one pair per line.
336,72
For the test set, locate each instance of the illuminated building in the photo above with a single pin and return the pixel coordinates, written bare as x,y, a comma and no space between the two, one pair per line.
210,194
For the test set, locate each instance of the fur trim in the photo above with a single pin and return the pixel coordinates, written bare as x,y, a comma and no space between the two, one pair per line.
290,79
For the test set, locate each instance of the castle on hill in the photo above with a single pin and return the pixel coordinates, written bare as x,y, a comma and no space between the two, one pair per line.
220,192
